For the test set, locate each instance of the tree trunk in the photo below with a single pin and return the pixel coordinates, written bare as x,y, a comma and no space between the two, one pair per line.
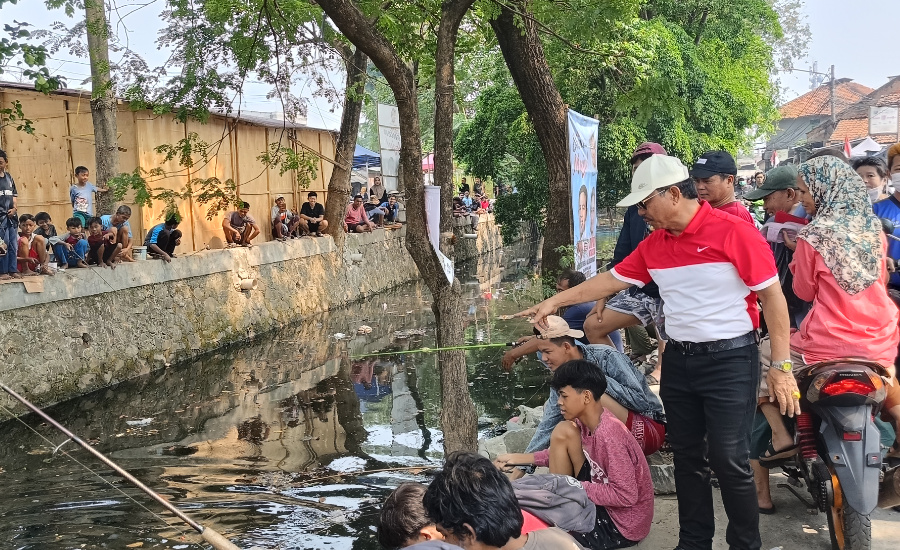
339,185
458,417
524,55
457,408
103,102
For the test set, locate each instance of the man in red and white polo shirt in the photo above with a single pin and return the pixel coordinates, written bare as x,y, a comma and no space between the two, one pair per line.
710,267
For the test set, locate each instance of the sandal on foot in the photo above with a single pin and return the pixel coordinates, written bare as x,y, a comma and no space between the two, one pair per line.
772,456
767,511
319,234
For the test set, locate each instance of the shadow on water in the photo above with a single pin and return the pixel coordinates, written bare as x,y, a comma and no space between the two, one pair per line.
289,441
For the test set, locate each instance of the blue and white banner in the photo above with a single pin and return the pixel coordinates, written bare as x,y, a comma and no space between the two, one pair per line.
583,170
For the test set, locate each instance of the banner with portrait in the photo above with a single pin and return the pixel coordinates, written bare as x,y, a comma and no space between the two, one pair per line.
583,184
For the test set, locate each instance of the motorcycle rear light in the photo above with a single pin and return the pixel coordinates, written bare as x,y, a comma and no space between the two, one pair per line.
852,436
848,385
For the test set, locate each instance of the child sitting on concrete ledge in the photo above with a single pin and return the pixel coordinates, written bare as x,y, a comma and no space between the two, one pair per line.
75,246
104,250
33,257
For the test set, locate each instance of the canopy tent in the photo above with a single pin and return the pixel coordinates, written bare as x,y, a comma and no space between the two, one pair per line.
867,147
364,158
428,162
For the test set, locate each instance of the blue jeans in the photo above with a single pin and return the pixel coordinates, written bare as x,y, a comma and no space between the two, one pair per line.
616,338
710,402
10,235
68,257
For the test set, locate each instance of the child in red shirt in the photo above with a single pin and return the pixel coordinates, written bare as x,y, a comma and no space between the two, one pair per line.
104,250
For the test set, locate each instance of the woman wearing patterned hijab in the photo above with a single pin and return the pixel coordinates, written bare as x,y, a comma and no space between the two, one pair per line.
839,266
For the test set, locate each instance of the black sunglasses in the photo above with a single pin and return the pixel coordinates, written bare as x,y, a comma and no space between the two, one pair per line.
643,204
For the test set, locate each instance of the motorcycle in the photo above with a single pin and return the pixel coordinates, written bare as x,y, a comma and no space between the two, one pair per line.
841,460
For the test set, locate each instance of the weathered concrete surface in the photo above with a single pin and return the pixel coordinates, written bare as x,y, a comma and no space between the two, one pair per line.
91,328
791,528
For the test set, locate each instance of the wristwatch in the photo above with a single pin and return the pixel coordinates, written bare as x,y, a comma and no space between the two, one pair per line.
785,366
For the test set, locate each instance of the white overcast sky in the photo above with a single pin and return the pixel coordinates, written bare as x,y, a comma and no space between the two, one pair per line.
859,38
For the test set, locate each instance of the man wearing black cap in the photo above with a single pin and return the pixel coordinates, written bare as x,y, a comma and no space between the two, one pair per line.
714,174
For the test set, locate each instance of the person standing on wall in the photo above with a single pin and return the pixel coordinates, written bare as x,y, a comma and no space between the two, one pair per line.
710,268
9,222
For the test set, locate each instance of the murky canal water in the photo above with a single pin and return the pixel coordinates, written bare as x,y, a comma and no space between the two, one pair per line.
291,441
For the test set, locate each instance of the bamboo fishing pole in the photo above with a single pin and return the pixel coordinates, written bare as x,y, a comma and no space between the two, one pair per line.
209,535
430,350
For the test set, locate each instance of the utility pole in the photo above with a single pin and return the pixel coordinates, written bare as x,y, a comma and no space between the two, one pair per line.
833,115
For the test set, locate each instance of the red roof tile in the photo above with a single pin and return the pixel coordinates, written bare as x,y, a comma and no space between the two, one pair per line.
889,99
818,101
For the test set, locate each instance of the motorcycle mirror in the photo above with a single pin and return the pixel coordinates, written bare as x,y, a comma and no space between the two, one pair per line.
887,226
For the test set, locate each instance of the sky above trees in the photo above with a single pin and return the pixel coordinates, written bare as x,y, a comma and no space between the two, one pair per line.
856,37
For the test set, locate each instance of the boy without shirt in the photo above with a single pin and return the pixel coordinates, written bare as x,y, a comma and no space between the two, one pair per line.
596,448
118,224
33,258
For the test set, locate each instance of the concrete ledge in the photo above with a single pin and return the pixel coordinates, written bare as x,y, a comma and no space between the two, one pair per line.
91,328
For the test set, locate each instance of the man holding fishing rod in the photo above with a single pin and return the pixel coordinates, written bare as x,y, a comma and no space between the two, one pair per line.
710,267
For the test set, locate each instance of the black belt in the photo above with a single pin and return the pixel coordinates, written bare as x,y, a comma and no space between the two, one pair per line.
704,348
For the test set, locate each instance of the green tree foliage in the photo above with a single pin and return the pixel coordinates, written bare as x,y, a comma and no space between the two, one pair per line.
692,76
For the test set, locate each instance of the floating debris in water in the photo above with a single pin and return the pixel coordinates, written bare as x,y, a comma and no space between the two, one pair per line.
339,336
505,317
141,422
364,329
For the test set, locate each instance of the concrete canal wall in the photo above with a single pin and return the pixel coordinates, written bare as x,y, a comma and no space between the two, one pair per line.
86,329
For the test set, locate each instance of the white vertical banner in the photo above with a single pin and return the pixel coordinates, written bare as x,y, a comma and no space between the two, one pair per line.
389,140
583,173
433,223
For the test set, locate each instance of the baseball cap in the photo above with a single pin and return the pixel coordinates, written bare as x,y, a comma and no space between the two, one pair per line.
279,197
777,179
711,163
654,173
557,327
649,148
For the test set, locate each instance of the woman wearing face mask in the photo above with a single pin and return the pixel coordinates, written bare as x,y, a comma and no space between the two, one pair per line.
890,209
874,172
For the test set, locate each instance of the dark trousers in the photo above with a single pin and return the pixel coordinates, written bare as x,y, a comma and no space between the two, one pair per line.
9,232
168,240
710,401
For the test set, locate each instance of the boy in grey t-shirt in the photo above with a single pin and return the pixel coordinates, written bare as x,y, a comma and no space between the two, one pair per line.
82,195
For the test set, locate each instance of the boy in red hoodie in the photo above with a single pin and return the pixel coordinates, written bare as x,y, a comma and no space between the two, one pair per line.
593,446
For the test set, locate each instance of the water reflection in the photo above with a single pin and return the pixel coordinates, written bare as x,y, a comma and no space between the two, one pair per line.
291,441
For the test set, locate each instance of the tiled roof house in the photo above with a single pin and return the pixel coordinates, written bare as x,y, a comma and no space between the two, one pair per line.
801,115
853,122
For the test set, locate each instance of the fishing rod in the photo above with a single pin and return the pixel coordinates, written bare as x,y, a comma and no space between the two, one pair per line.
209,535
431,350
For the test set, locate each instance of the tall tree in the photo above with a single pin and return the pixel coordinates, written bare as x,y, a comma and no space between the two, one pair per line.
524,54
103,102
355,62
458,418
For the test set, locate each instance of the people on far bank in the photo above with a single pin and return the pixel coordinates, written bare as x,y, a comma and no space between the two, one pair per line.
240,227
312,215
162,238
355,218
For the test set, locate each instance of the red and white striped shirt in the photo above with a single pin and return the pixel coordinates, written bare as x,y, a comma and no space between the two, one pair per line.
707,276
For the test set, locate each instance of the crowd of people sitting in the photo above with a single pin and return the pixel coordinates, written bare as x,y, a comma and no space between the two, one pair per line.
470,204
30,244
